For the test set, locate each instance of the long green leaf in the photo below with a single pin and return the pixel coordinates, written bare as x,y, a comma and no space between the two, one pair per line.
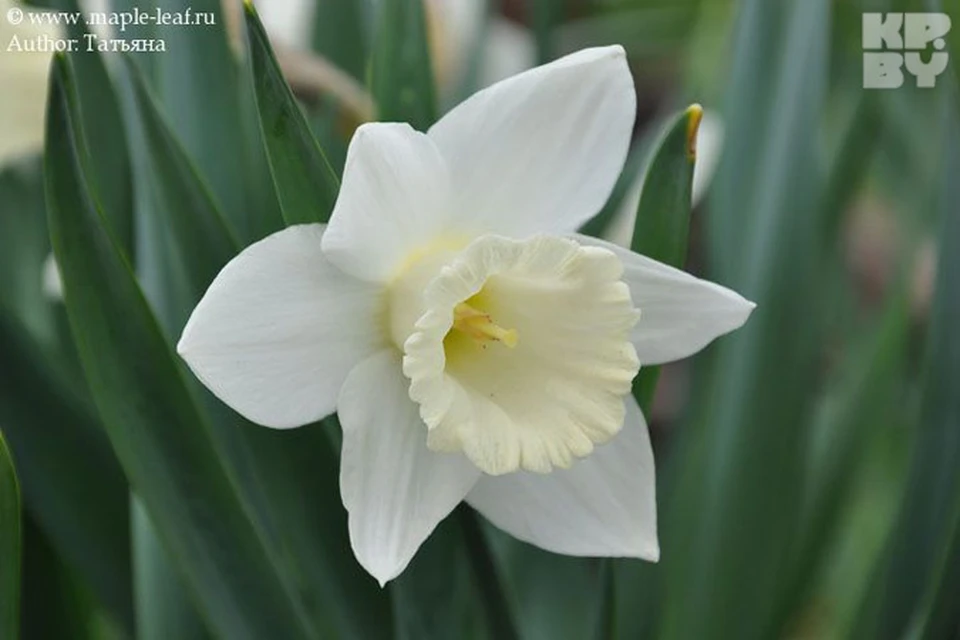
401,78
434,596
919,556
54,601
338,34
637,159
306,184
660,232
105,152
71,480
735,513
268,467
9,545
663,214
156,430
162,610
69,477
179,193
207,98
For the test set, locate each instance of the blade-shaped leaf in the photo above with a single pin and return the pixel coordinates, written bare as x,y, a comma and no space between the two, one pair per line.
71,480
437,575
660,231
663,215
306,184
401,78
338,34
736,506
209,103
270,469
105,150
69,477
162,610
921,553
9,545
179,192
156,430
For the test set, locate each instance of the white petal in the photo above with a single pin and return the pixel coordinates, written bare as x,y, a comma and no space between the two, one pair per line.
393,200
279,329
540,152
395,489
51,282
604,505
679,313
709,145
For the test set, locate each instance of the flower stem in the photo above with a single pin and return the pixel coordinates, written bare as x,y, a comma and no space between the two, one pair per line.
491,591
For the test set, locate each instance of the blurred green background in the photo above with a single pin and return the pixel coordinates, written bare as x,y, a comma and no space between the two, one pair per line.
808,465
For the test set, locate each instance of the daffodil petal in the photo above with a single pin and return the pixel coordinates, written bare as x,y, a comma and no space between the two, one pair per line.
604,505
679,314
540,152
279,329
395,490
394,199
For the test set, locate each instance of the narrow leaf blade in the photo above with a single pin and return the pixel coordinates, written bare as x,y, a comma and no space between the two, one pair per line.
663,214
401,76
306,184
156,430
10,536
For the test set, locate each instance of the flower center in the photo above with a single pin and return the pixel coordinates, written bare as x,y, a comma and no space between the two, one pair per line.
518,352
478,325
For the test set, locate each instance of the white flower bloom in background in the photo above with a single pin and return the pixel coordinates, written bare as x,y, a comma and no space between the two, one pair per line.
50,281
474,345
23,83
461,30
708,145
458,31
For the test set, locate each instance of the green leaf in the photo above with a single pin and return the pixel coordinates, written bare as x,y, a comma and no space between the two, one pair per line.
661,231
160,437
9,545
306,184
553,597
54,601
105,147
546,15
401,77
735,512
180,194
867,393
71,480
338,34
663,214
434,597
208,100
69,477
24,247
637,159
162,610
105,151
748,113
924,543
269,468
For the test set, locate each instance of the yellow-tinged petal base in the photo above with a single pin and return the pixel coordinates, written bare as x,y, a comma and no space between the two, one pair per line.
519,356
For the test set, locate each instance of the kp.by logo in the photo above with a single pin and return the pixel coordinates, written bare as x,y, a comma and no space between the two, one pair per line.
902,39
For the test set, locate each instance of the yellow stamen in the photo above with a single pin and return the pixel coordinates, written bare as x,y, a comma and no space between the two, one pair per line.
479,326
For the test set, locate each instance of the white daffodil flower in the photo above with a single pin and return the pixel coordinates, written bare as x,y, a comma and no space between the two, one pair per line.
23,80
475,347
